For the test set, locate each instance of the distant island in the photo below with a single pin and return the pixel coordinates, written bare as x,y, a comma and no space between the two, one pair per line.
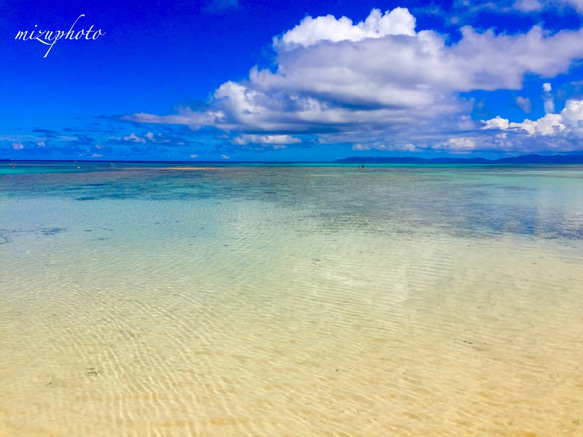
524,159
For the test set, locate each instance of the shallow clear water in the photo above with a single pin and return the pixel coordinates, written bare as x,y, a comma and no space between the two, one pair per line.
291,300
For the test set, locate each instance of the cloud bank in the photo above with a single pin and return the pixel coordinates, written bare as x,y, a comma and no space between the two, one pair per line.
380,81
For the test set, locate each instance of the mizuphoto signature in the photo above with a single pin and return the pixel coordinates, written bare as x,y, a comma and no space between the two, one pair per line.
50,37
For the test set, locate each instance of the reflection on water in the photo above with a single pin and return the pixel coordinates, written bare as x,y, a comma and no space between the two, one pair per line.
291,300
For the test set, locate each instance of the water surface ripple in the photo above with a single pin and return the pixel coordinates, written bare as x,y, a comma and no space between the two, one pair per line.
291,300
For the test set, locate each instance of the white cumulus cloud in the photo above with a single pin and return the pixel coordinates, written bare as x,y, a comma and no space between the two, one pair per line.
245,139
496,123
526,6
134,138
312,31
459,144
549,102
568,121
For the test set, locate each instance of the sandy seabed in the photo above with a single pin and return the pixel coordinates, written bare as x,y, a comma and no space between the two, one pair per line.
230,317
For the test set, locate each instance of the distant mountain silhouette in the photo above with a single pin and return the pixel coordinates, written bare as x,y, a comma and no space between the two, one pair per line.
524,159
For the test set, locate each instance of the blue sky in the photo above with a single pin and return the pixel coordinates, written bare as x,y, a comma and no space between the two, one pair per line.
299,80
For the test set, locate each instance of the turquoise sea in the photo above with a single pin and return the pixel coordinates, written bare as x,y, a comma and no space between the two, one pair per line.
290,300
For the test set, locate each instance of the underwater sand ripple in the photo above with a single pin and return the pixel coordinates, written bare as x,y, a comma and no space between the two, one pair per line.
237,316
